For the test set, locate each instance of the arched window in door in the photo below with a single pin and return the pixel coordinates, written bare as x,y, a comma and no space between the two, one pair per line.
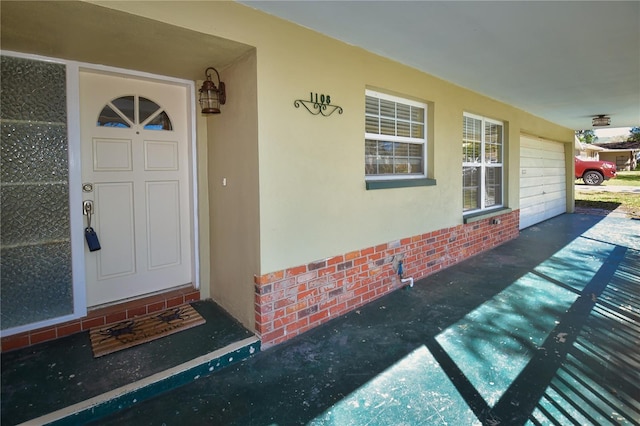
127,111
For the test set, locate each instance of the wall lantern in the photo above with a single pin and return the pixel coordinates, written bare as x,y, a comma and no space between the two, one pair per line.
211,97
601,120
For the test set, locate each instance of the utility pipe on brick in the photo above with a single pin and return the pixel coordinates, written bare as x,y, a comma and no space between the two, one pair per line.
401,272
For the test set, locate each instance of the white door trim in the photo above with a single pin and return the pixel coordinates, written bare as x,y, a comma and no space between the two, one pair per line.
75,180
193,176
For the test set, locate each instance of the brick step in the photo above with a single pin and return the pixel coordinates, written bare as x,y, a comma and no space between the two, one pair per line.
104,315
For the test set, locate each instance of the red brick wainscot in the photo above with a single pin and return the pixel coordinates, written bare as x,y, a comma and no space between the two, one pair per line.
292,301
103,316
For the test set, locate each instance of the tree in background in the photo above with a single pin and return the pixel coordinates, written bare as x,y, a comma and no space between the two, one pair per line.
586,136
634,135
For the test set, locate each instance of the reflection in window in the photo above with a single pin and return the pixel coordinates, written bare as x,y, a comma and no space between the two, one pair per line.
482,157
126,107
109,118
127,111
394,137
147,108
159,122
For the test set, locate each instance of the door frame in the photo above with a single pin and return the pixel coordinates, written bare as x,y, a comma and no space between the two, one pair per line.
73,69
192,150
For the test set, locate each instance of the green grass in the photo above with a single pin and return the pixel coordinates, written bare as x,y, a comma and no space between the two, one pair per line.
625,179
629,203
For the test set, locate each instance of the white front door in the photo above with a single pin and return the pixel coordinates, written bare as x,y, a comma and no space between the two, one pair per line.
135,170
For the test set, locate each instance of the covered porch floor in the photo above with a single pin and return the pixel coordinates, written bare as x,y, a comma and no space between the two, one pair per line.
544,329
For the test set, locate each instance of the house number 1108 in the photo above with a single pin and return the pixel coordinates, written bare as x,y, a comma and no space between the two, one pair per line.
317,104
320,99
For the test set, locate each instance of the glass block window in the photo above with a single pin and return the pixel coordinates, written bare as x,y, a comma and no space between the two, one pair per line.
395,137
482,163
127,111
35,250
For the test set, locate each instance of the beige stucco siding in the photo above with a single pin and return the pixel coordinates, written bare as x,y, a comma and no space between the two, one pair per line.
313,203
234,214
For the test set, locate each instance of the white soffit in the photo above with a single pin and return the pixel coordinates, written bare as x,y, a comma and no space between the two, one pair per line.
564,61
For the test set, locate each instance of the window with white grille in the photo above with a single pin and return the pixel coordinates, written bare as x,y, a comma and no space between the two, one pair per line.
482,163
395,137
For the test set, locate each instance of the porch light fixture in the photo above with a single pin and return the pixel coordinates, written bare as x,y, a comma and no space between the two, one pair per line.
601,120
211,97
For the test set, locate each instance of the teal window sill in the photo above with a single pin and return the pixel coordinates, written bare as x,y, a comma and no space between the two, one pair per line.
475,217
399,183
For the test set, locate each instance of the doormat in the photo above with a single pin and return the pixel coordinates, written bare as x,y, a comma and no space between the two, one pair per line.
125,334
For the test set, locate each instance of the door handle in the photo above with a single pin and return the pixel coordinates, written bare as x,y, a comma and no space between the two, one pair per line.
87,210
89,234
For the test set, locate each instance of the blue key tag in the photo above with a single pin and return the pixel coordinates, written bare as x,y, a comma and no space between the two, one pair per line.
92,239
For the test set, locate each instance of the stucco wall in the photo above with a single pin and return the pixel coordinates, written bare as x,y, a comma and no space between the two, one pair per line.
313,201
233,192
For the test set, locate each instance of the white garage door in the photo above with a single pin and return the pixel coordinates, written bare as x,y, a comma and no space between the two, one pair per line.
543,190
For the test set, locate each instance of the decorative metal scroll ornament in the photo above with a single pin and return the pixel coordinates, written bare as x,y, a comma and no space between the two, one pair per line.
318,105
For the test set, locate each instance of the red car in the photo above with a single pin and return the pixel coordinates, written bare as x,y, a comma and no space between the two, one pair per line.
594,172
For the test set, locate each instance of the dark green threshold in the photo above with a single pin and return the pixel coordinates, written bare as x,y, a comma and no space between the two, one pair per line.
541,330
51,376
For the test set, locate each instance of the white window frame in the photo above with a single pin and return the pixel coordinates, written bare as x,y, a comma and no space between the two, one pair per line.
484,165
389,138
